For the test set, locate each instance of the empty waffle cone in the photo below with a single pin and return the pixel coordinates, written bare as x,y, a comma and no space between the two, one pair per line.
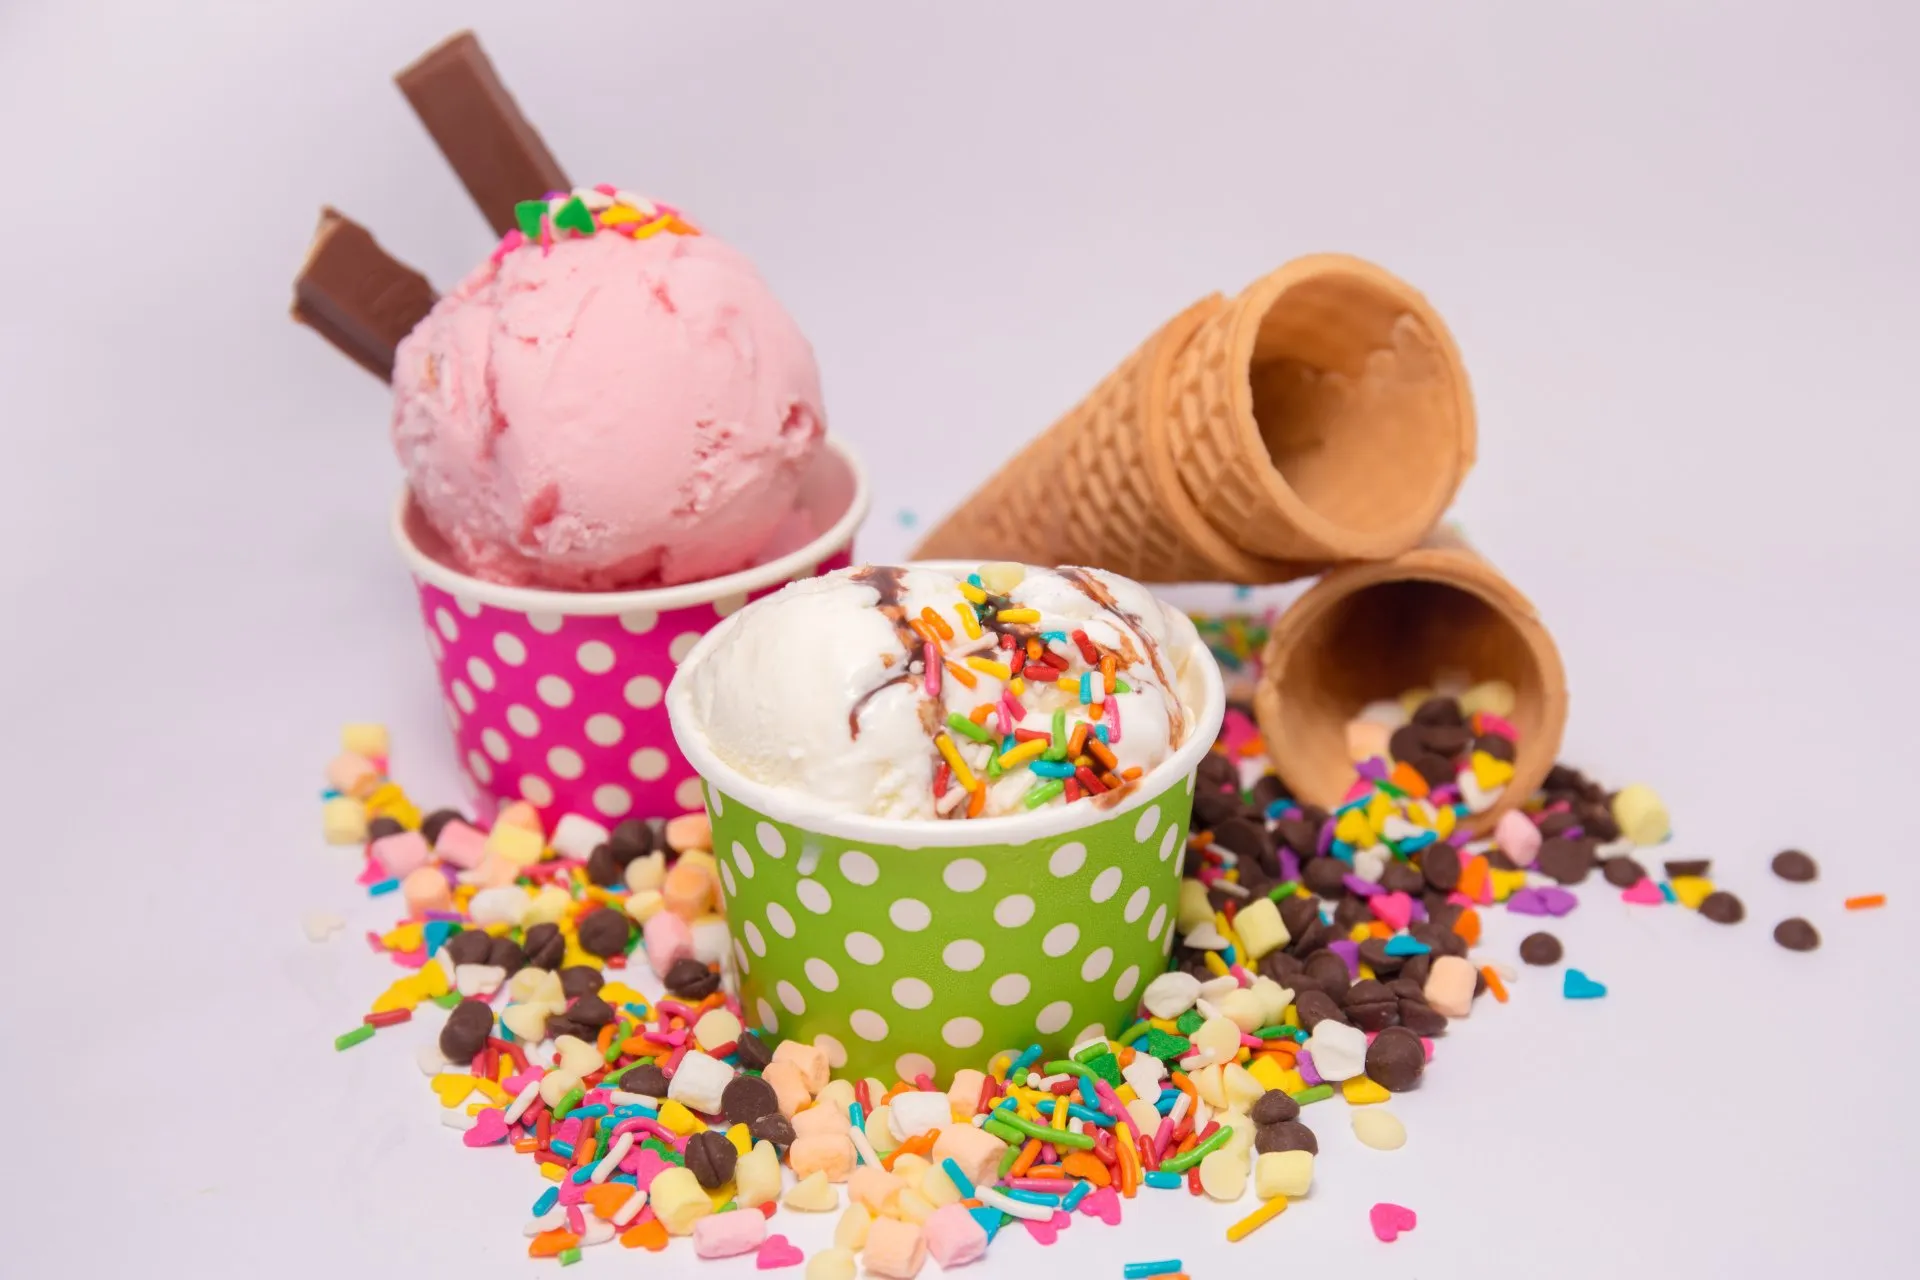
1368,632
1100,488
1323,415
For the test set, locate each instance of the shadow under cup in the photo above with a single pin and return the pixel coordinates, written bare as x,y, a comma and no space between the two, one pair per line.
558,697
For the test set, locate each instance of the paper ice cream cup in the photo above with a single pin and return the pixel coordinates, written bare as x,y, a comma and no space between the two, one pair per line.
910,946
558,697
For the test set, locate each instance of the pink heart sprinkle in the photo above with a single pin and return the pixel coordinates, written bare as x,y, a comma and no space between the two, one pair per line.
489,1127
1103,1204
1646,893
1389,1220
778,1251
1392,909
645,1165
513,1084
1049,1231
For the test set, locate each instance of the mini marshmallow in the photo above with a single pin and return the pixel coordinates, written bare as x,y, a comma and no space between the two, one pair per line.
1260,928
498,906
649,871
425,889
712,944
831,1153
954,1236
343,820
895,1249
976,1151
698,1082
789,1089
367,739
1244,1008
689,831
1642,815
1171,994
519,814
679,1201
688,889
494,872
352,774
643,905
808,1060
875,1188
1274,999
576,837
756,1176
1449,989
917,1111
937,1187
461,844
912,1206
964,1093
1517,837
821,1119
1495,697
401,852
1340,1051
1192,908
726,1235
516,844
1367,739
1282,1173
668,940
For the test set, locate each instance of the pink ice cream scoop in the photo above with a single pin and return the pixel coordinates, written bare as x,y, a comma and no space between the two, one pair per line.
597,410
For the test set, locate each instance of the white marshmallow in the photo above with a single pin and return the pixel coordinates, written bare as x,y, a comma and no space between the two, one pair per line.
698,1082
1171,994
917,1112
576,836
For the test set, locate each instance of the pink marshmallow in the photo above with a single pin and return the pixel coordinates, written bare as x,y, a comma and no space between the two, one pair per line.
829,1153
726,1234
425,889
1518,838
895,1249
353,775
402,852
954,1236
462,845
668,938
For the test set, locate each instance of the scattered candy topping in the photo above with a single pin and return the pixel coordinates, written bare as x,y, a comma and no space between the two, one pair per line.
586,211
1389,1220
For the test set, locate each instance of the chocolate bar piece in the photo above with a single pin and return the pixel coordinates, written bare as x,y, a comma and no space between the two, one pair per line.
478,127
357,296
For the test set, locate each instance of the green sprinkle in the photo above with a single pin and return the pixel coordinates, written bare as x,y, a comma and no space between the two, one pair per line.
1043,793
1135,1031
1182,1163
1319,1093
573,216
1012,1153
961,725
993,764
569,1256
1121,686
1166,1047
1284,890
1046,1133
1058,751
568,1101
451,1000
529,214
1006,1133
614,1050
1278,1031
1065,1066
1189,1022
1106,1067
728,1207
348,1039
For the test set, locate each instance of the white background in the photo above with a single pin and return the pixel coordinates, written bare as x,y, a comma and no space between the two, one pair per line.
1675,243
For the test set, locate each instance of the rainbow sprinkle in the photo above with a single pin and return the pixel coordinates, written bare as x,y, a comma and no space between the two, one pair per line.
585,211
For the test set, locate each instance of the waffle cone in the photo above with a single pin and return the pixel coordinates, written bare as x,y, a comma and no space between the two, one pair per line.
1323,415
1100,487
1371,631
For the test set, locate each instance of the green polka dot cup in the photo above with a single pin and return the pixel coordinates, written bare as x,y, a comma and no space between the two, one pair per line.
911,946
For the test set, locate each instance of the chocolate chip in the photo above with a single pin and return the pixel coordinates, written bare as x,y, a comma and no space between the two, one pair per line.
1696,867
605,932
710,1158
1440,864
1349,912
1415,970
1405,988
1325,876
645,1079
469,946
467,1029
1554,824
1299,835
1597,819
1315,1007
1497,745
1795,866
1567,861
1216,773
1288,1135
1283,967
1440,939
544,946
752,1052
1275,1106
602,867
1435,768
1407,742
1299,913
1623,872
1541,948
1267,789
1479,983
771,1127
1211,808
631,839
434,823
579,979
1446,740
1439,710
1314,937
1373,954
382,827
746,1099
589,1010
1370,1006
1328,973
1242,836
1796,934
1500,861
691,980
1400,877
1419,1017
1395,1059
506,954
1722,907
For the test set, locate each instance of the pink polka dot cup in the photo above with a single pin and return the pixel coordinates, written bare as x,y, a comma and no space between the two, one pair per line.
558,697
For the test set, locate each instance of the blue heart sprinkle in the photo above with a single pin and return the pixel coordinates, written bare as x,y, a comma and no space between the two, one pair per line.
1578,986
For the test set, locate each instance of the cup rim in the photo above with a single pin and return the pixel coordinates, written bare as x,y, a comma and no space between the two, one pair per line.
1010,830
657,599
